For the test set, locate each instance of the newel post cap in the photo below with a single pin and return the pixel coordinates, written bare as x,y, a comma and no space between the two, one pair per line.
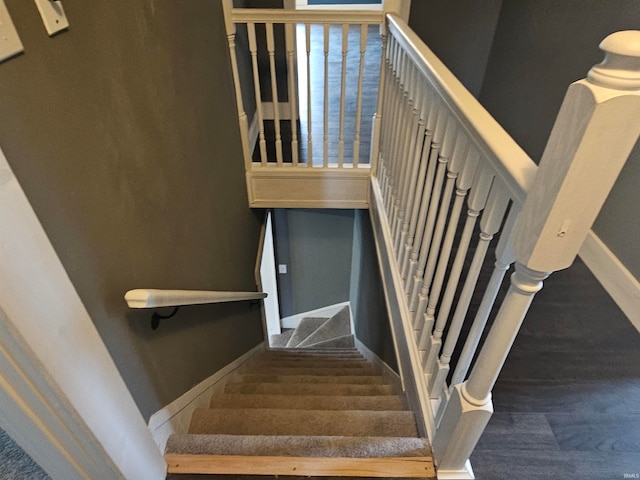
620,68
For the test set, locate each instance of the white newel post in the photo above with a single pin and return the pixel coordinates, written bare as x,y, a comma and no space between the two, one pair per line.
596,128
227,7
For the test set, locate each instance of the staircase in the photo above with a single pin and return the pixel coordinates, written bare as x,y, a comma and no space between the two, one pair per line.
305,411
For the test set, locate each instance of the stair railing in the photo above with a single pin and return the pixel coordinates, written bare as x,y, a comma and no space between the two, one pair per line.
439,149
306,87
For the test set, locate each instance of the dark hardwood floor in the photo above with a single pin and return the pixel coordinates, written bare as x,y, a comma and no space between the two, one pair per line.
567,403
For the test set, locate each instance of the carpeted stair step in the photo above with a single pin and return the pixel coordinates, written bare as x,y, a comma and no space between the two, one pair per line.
309,370
337,326
268,378
309,402
311,362
355,423
280,340
314,351
298,446
337,342
308,389
306,327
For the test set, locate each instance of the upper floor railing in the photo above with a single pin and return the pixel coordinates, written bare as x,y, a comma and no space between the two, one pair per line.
307,91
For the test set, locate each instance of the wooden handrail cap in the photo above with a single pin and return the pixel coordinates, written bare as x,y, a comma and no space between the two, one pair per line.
620,68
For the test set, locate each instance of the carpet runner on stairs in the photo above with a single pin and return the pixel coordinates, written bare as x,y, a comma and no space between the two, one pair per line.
304,412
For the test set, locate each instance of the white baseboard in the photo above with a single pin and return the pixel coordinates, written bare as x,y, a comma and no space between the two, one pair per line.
175,417
465,474
619,282
387,372
330,311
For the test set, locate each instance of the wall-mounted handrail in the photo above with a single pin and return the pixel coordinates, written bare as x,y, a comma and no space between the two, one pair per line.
152,298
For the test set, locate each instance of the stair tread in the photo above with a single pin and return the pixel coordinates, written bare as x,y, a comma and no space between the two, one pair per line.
306,327
352,379
309,388
280,340
341,341
309,370
338,325
302,362
309,402
302,446
356,423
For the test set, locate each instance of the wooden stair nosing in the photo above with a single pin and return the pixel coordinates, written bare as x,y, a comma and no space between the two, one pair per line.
387,467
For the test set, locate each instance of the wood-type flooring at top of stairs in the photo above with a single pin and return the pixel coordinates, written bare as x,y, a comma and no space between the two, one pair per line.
303,412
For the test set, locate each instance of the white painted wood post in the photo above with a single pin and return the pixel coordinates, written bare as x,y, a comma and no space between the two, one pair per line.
597,126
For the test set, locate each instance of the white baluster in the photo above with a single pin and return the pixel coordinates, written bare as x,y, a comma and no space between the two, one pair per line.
393,124
376,126
343,92
398,161
293,89
417,174
253,49
441,256
430,152
411,140
325,143
356,140
307,29
274,91
436,222
489,225
242,116
387,117
504,259
420,254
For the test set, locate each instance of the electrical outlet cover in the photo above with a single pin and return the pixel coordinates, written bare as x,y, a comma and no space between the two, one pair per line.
52,15
10,43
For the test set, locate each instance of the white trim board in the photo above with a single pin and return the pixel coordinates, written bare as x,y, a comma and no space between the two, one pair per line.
293,320
619,282
175,417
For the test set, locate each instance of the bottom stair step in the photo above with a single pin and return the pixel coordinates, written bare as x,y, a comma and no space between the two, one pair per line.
386,467
298,446
357,423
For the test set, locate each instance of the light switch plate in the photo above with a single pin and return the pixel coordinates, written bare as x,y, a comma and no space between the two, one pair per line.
282,268
52,15
10,43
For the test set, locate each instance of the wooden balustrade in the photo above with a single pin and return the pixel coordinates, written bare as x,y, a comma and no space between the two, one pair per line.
313,77
439,152
443,180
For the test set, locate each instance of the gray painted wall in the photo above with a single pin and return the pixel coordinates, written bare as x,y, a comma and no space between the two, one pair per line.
460,33
540,47
122,134
316,246
368,305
